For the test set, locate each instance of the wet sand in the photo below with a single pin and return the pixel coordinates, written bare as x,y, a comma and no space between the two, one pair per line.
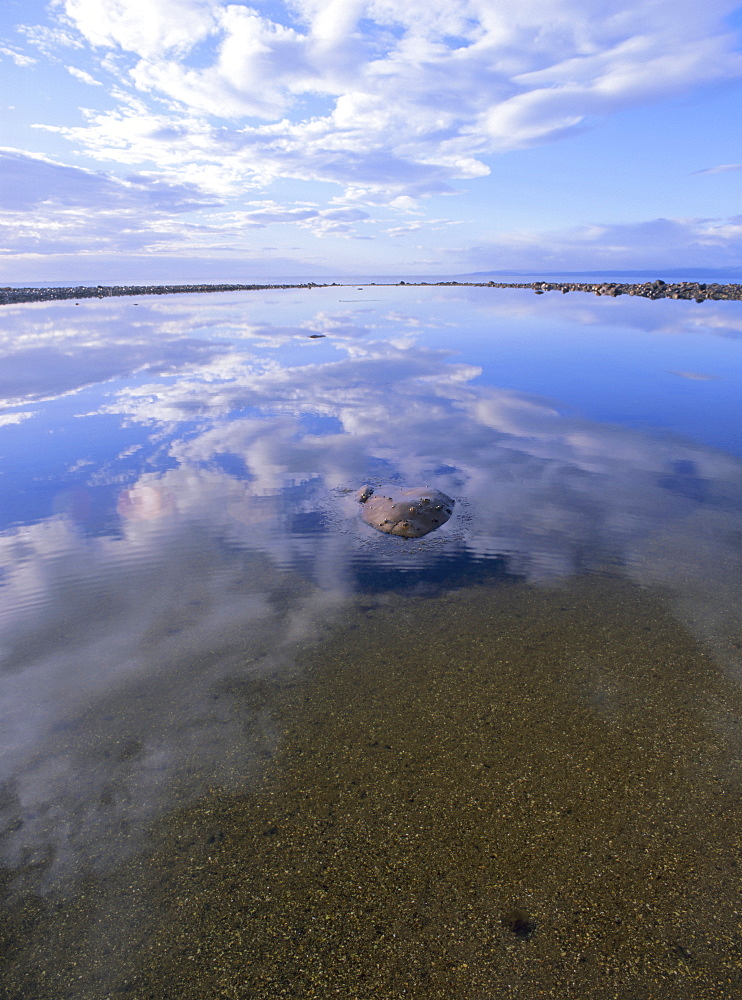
658,289
501,791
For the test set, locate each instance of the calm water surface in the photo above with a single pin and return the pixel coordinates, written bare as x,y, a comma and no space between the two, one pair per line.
252,748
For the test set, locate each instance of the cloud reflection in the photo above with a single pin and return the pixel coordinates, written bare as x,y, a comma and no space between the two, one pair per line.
143,503
46,352
119,649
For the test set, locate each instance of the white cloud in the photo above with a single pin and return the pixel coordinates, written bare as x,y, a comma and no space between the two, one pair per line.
224,102
17,57
49,39
82,76
47,205
56,208
6,419
404,229
142,26
30,181
655,243
322,222
411,96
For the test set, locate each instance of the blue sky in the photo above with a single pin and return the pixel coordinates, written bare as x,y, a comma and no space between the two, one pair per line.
182,139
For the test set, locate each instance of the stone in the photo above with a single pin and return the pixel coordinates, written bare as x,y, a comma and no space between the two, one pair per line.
409,513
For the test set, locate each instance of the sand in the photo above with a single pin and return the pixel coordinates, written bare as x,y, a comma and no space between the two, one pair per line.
501,791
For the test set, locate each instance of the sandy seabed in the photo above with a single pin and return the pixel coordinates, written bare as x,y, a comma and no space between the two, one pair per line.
498,791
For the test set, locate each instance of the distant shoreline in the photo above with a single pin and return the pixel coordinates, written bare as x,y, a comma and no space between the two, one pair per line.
698,291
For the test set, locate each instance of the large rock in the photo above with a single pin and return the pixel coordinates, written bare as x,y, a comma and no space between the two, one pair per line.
410,513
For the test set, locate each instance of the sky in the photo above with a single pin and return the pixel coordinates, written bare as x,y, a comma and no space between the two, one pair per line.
186,140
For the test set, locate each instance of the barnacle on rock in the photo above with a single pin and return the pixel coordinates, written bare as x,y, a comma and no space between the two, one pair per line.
410,513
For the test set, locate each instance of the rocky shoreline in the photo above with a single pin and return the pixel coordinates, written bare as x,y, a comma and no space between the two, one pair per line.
659,289
9,296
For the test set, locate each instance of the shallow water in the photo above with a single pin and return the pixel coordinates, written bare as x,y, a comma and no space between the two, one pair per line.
253,748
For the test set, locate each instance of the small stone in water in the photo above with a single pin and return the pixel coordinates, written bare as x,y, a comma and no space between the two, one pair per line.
410,513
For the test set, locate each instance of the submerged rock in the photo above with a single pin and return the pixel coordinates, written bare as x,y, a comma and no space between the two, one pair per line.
410,513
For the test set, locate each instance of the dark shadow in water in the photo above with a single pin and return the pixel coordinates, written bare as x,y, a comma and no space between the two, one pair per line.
309,522
447,573
685,481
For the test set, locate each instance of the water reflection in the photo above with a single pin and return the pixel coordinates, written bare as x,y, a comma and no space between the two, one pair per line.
143,502
187,478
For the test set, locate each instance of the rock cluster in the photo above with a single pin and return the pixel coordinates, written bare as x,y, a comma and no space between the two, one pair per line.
659,289
10,295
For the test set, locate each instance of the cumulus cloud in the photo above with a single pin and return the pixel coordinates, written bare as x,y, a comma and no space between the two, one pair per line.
142,27
374,95
392,104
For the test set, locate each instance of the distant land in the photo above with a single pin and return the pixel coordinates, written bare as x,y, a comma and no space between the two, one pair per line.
682,273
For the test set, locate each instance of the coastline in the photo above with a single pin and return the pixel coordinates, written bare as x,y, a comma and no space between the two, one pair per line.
698,291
